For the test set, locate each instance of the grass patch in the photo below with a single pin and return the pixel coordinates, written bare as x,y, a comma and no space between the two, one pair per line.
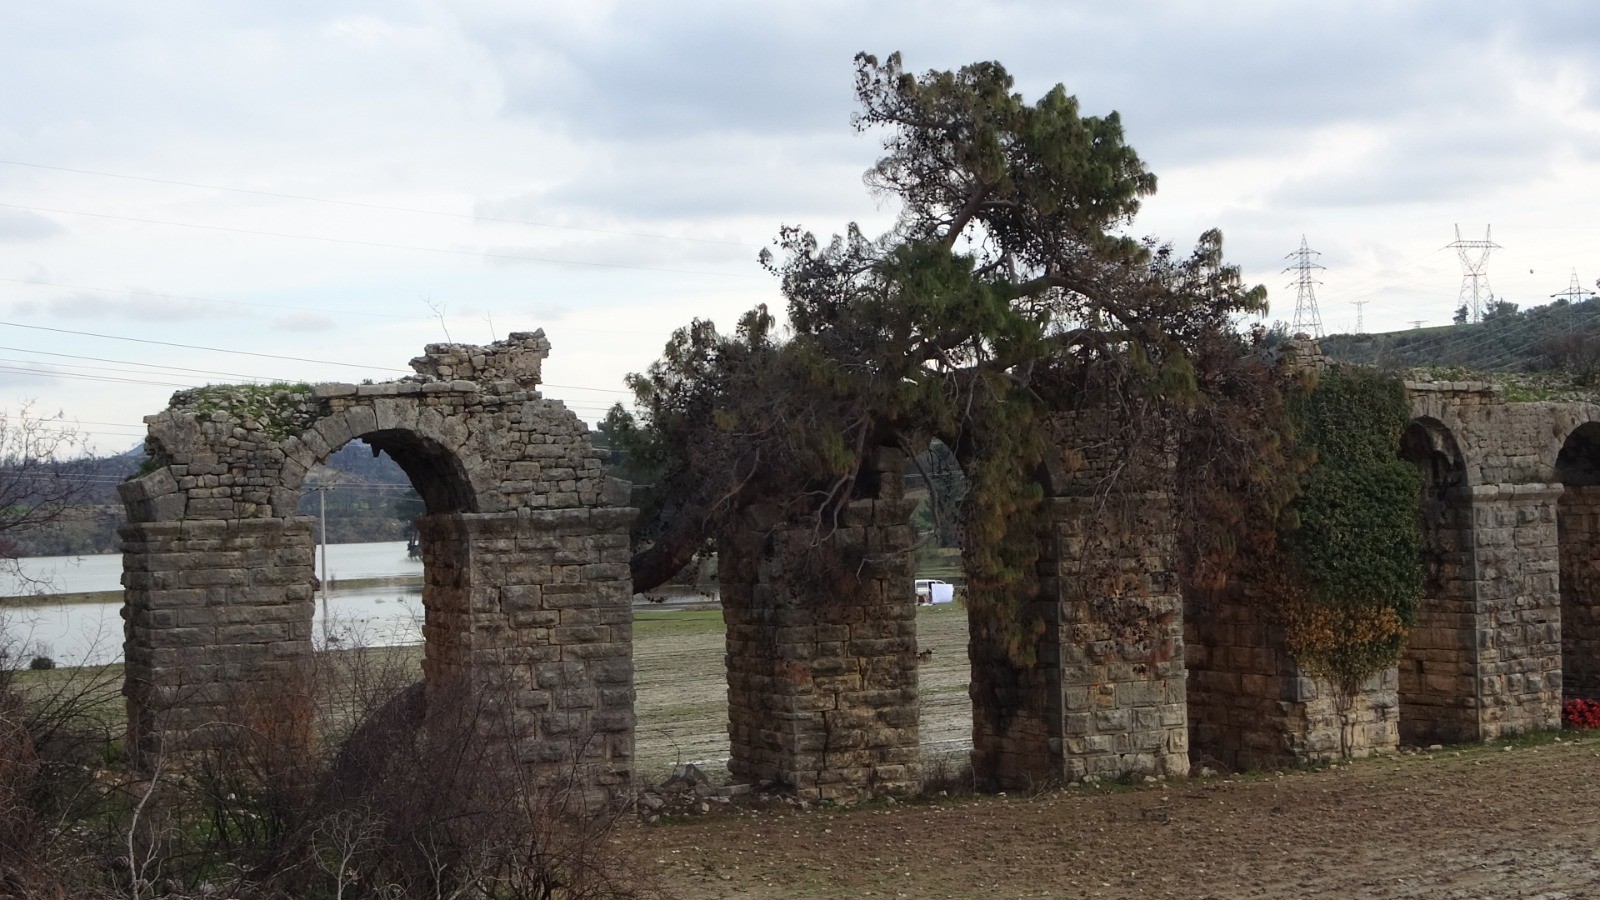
685,622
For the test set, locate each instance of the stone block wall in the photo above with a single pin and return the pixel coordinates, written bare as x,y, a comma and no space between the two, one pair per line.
529,625
1105,695
1119,638
1518,607
1250,704
525,544
1439,662
1579,511
822,649
218,630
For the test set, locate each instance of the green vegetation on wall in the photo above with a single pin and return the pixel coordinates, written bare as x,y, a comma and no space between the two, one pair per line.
1350,542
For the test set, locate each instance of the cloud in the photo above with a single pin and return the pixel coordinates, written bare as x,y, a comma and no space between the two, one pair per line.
22,225
84,306
303,321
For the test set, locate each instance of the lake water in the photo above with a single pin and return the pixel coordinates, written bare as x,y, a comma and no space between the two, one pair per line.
91,633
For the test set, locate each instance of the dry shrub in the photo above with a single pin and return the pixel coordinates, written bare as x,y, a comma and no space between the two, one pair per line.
392,806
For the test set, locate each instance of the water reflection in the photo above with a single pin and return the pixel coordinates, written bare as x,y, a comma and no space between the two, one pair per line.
91,633
103,572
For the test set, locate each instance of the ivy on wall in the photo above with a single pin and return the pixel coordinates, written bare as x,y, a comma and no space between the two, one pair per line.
1350,542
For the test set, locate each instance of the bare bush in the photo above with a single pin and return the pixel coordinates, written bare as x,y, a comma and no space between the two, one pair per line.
368,800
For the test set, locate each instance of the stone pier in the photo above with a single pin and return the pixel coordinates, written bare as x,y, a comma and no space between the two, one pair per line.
822,647
1104,692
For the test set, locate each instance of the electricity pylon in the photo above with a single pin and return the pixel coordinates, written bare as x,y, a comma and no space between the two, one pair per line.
1360,305
1474,283
1306,318
1574,292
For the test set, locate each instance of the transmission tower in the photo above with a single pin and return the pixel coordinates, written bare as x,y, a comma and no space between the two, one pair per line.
1474,283
1306,318
1360,305
1574,292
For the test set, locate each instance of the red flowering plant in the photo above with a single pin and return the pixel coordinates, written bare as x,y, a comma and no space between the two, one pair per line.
1581,713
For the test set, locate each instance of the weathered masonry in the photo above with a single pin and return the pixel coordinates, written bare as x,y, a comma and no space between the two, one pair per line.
1129,678
821,645
525,542
527,595
1510,619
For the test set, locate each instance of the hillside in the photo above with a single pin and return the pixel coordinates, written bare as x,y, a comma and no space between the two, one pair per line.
1560,336
368,499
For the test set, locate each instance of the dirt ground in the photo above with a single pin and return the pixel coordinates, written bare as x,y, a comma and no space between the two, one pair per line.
1474,822
1480,822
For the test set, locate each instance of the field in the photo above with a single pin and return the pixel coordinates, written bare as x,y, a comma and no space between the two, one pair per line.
1480,822
683,690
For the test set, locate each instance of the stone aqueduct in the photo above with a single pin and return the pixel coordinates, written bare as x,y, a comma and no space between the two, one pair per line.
527,593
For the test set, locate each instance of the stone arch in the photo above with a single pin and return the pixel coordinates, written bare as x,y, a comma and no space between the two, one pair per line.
1438,663
1577,469
525,541
441,473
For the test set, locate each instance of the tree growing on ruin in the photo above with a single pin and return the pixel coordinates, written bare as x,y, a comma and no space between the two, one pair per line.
1008,289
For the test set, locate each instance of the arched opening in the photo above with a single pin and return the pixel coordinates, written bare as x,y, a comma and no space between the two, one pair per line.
525,552
435,472
1578,531
369,512
1438,664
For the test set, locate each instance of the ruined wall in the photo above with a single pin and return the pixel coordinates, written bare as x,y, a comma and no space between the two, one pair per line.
217,624
1251,705
1104,695
525,543
536,605
1518,608
821,647
1483,658
1579,528
1439,661
1501,579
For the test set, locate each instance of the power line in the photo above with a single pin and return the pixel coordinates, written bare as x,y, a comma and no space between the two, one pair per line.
127,362
118,337
160,296
351,242
49,373
377,206
1361,327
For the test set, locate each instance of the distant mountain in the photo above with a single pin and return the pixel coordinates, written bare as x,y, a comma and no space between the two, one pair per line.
368,498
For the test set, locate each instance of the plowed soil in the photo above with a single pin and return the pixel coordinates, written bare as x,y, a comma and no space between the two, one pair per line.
1479,822
1470,822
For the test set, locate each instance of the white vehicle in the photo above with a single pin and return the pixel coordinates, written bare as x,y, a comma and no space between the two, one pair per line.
932,590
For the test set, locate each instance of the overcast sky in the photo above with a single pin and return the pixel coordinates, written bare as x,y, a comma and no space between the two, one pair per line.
342,182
